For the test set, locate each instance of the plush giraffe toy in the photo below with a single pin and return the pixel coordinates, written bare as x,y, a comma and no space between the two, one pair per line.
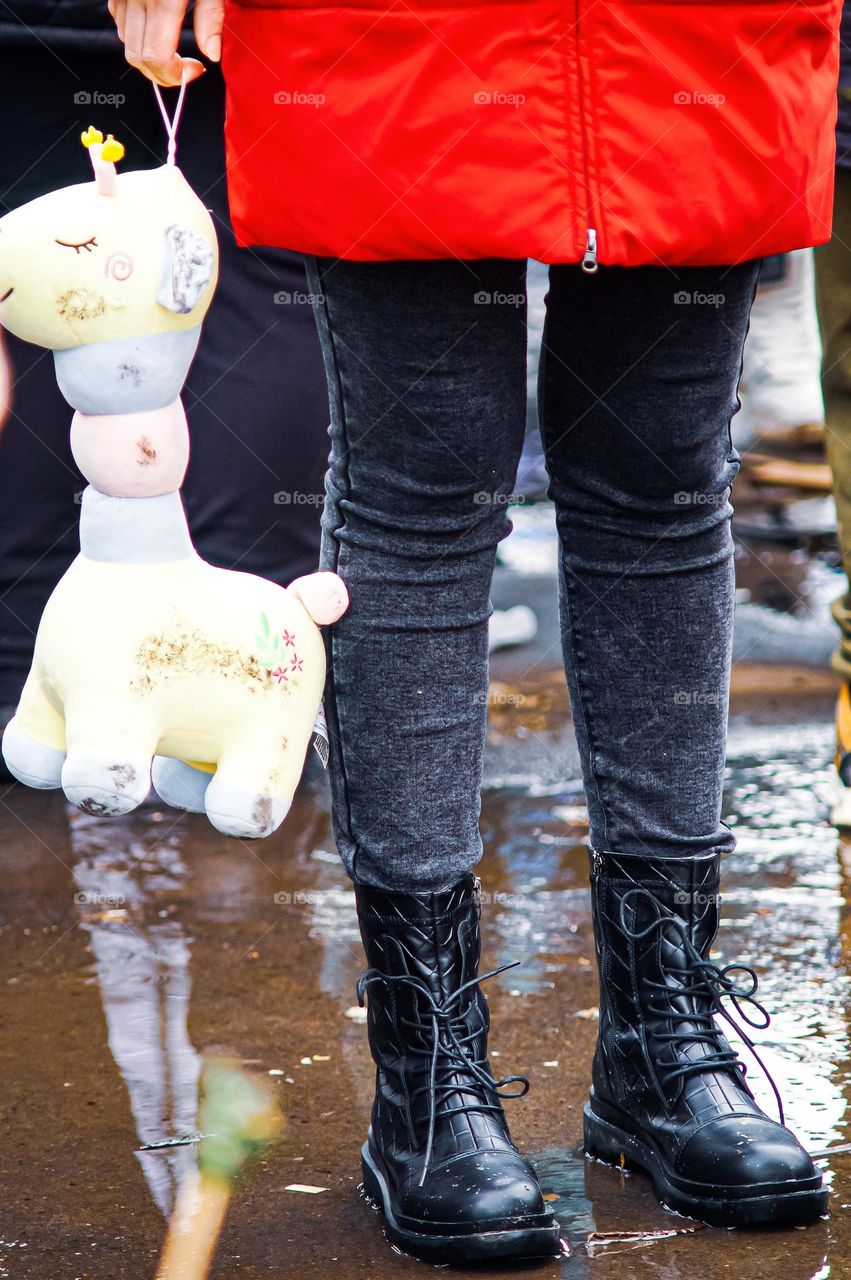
145,652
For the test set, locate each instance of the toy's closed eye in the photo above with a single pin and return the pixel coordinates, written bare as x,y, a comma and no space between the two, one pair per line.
88,245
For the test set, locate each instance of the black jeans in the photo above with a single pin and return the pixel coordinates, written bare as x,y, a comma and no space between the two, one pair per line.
255,396
426,370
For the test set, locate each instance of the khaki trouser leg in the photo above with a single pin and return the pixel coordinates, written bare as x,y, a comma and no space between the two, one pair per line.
833,284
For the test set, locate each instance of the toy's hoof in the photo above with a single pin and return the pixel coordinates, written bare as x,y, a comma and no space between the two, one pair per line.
29,761
237,812
178,784
102,785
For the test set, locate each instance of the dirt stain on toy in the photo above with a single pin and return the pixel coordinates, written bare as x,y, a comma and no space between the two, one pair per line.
262,813
95,808
162,656
81,304
147,452
123,774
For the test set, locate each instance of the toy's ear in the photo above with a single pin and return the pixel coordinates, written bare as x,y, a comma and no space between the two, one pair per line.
187,269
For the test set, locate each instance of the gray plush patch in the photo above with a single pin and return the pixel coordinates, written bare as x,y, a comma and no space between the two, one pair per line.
187,269
126,375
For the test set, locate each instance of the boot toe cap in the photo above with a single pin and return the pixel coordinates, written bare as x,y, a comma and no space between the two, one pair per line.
483,1189
746,1151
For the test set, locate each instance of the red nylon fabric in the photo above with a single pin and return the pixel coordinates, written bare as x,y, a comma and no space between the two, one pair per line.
681,133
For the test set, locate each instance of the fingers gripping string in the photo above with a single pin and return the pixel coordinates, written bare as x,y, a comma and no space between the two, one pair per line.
171,122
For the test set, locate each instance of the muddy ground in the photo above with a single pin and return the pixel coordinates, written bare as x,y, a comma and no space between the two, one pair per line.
130,949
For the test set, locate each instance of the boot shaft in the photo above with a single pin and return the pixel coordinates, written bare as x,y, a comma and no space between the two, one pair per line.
427,1019
431,936
653,919
631,897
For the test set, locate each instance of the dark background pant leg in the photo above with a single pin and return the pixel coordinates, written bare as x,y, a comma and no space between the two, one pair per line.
256,396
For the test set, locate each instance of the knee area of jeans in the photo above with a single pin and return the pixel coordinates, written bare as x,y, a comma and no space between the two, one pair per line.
632,557
444,542
688,503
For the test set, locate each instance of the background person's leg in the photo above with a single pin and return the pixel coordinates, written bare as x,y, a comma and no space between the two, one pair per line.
256,397
39,510
833,283
38,478
780,386
428,413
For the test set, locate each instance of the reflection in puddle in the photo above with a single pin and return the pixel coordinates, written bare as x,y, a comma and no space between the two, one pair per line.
154,899
563,1174
783,904
125,870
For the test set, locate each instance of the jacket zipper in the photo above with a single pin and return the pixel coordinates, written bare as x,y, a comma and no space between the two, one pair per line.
589,259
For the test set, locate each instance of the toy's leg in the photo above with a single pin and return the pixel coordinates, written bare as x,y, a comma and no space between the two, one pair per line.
108,769
240,799
179,784
106,782
34,739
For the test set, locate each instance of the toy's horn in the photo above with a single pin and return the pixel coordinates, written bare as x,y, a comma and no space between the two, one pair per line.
103,155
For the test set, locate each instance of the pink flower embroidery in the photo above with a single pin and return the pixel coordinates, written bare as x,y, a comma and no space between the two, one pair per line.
287,638
297,663
280,674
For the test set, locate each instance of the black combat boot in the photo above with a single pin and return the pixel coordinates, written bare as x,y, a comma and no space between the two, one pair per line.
669,1092
438,1160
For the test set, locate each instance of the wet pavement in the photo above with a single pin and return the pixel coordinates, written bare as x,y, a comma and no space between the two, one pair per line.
130,949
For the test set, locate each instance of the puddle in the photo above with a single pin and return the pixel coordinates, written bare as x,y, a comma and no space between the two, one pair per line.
129,950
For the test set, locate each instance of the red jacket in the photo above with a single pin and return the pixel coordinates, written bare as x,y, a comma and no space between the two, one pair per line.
668,131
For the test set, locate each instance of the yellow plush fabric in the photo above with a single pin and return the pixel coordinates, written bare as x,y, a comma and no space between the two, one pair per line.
147,657
87,267
178,659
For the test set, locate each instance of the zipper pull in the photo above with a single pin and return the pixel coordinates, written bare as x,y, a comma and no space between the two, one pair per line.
589,262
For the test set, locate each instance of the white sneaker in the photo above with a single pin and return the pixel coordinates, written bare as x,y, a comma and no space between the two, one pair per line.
510,627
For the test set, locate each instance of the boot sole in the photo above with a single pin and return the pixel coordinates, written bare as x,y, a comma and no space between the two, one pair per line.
732,1207
521,1242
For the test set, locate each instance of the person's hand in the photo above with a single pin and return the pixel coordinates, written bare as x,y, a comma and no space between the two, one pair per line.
150,31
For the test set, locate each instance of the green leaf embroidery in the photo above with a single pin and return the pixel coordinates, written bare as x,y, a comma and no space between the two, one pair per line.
272,647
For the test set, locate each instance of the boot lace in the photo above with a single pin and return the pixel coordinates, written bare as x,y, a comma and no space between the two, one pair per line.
447,1040
709,985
